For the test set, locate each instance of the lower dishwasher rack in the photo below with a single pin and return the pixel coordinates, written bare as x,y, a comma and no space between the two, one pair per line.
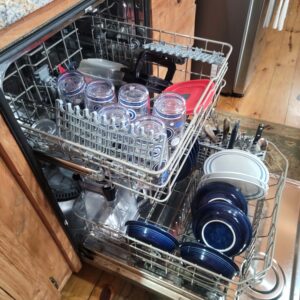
169,273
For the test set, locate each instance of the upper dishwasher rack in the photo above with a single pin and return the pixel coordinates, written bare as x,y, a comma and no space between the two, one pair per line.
32,96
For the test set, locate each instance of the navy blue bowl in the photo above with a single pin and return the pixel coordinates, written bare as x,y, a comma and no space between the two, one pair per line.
209,259
190,162
222,226
219,191
151,234
186,169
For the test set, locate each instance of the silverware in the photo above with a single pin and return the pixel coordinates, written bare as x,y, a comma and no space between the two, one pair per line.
258,133
226,129
234,135
263,144
210,133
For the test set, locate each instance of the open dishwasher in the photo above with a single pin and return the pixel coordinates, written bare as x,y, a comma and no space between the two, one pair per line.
95,160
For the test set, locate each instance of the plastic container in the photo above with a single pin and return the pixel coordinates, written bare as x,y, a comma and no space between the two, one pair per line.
135,97
71,87
192,91
98,94
170,108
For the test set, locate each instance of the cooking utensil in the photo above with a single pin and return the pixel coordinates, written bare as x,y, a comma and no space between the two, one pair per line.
226,129
263,144
234,135
210,133
258,133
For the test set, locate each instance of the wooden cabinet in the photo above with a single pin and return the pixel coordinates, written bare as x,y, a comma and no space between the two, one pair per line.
36,257
174,15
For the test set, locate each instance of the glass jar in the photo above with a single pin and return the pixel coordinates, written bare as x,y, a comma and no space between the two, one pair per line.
170,108
98,94
135,97
71,86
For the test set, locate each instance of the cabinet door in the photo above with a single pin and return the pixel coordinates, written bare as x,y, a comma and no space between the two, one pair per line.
29,258
174,16
36,258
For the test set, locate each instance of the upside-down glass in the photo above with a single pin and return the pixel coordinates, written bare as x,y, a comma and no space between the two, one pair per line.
135,97
153,129
170,108
99,93
114,116
71,87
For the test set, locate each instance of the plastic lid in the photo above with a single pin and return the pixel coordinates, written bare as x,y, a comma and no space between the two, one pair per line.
192,91
133,94
70,83
170,105
100,90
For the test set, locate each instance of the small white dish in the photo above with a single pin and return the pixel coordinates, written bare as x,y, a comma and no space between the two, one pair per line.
251,187
237,161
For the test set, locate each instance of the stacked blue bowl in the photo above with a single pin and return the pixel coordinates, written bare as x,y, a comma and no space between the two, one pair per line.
221,227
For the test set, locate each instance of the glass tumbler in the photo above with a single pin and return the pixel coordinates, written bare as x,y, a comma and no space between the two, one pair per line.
170,108
135,97
114,116
98,94
152,128
71,86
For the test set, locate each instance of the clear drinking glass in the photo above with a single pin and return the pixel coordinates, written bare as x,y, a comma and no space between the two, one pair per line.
170,108
71,86
135,97
114,116
152,129
98,94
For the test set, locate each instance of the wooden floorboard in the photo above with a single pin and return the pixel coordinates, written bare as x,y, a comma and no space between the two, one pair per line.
274,92
81,285
94,284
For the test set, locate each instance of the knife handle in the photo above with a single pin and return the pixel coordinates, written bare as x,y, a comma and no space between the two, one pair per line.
258,133
234,134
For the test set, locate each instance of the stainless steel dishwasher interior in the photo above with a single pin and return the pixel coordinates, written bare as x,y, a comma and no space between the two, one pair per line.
286,252
286,257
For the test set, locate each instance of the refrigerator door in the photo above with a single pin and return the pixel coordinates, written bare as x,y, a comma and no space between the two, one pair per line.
239,23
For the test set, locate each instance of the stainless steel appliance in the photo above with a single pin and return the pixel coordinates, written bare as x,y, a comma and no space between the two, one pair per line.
239,23
28,75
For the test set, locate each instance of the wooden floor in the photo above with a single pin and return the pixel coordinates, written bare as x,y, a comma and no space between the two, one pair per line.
93,284
274,92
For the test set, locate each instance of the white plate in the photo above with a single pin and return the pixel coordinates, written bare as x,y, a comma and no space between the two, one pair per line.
237,161
250,187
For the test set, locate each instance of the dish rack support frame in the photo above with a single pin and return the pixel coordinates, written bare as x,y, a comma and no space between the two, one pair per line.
120,42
